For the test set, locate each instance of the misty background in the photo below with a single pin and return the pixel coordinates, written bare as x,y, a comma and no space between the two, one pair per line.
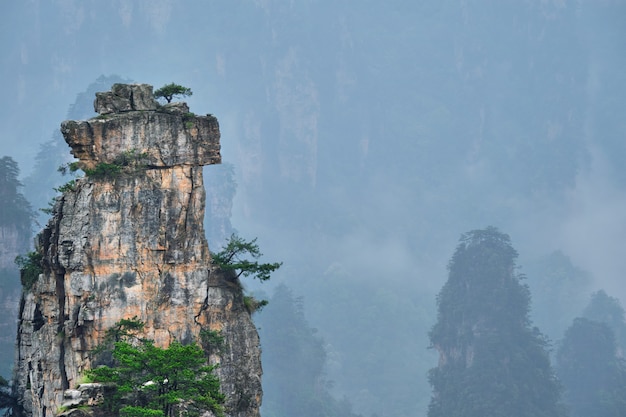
359,140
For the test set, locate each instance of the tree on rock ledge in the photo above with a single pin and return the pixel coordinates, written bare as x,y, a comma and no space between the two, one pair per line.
150,381
234,257
491,363
168,92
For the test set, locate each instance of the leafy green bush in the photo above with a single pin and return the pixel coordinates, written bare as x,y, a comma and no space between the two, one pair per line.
134,411
253,305
104,171
131,158
127,162
152,381
30,267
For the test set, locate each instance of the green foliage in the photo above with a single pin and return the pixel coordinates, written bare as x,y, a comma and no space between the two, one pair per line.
189,119
68,186
16,210
131,158
134,411
104,170
234,257
70,167
494,362
30,267
482,286
252,304
593,374
169,91
212,340
127,162
125,329
74,166
153,381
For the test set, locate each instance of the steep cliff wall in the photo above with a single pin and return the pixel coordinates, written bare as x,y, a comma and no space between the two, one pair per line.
132,244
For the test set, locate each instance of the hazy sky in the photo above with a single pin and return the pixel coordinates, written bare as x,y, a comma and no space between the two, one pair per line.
366,136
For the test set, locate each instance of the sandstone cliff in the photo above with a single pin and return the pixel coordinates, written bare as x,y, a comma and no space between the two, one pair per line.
132,244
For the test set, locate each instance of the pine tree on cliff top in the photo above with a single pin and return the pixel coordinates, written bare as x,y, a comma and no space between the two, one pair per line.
492,363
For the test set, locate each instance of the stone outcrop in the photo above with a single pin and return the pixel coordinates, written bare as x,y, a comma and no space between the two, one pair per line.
131,243
124,98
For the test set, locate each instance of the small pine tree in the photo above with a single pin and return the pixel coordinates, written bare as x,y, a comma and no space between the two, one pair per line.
235,256
169,91
492,363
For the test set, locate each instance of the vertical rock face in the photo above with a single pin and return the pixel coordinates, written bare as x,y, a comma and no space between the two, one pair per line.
128,241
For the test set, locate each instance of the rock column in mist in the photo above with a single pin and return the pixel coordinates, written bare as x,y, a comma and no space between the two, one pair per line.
131,244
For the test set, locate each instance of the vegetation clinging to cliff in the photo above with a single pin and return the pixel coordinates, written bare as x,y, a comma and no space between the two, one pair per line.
128,162
168,92
233,257
30,268
154,381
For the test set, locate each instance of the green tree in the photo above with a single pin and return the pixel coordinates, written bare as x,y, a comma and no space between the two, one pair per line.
288,339
593,375
492,363
30,266
158,381
234,257
15,210
168,92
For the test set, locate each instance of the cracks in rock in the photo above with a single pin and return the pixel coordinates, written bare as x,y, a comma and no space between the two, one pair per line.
59,275
158,167
187,206
205,303
60,291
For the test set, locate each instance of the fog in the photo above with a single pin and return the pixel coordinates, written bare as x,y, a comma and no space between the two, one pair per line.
365,138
